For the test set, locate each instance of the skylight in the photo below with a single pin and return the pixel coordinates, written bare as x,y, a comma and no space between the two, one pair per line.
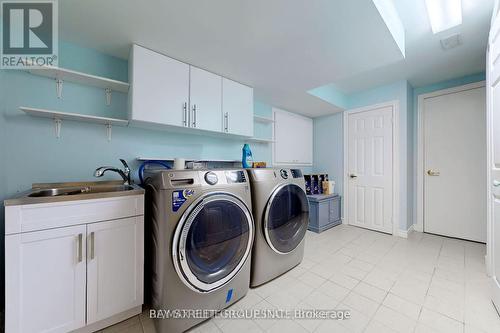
444,14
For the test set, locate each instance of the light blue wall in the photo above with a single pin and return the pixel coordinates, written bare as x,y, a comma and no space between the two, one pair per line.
30,153
331,94
328,152
328,137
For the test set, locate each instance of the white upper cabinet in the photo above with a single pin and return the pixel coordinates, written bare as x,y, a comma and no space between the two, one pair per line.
45,280
293,135
205,100
159,90
237,107
164,91
114,267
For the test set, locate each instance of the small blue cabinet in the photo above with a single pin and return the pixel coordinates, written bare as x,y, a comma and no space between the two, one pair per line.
324,211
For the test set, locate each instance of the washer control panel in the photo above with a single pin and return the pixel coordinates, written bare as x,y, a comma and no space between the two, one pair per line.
211,178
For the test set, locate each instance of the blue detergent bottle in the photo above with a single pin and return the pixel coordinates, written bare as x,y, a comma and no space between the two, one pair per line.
247,159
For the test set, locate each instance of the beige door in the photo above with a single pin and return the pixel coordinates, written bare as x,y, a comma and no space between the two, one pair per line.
454,127
370,169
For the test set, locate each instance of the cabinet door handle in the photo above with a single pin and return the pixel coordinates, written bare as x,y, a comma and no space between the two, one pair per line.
194,115
92,245
80,247
226,122
184,114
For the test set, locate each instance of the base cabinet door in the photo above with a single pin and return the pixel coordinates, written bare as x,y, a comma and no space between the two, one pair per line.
115,267
45,280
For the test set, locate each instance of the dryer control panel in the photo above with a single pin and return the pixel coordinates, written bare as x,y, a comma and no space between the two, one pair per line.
236,176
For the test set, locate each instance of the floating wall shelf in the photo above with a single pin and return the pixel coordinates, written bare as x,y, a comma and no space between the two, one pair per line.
63,74
260,140
59,116
263,119
141,158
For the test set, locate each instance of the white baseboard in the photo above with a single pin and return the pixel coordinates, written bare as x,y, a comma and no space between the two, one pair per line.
405,233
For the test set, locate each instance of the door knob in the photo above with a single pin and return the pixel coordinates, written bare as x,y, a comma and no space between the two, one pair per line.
353,175
431,172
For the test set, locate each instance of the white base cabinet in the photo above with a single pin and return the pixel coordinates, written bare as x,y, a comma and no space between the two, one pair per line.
45,280
114,267
67,277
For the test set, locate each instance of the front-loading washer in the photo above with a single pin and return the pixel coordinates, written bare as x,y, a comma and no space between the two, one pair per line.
199,252
281,214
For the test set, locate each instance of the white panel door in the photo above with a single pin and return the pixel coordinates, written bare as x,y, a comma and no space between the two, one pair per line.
370,171
493,85
237,108
455,164
159,90
45,280
293,135
205,100
115,267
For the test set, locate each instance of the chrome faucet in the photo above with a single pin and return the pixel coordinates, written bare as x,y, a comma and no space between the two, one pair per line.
125,173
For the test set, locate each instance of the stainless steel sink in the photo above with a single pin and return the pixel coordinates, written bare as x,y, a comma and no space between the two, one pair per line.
54,192
74,191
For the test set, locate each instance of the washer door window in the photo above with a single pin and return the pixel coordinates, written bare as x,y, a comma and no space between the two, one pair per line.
286,218
212,241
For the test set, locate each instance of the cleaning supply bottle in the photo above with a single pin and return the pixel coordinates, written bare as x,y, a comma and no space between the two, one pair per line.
247,159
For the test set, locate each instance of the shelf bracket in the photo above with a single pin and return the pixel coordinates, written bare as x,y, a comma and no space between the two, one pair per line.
107,91
108,131
57,127
59,88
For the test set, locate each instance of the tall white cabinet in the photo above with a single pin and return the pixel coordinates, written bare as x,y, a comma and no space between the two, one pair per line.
293,135
166,92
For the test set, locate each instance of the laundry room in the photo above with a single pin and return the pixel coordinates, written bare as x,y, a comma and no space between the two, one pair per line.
249,166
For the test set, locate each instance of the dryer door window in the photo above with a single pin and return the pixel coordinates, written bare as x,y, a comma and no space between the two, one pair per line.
286,218
213,241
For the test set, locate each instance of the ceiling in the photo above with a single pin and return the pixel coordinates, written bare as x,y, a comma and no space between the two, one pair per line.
426,62
283,48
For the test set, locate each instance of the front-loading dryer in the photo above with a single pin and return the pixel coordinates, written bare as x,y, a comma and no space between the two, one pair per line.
201,236
281,213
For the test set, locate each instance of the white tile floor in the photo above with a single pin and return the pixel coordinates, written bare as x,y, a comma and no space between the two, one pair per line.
422,284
